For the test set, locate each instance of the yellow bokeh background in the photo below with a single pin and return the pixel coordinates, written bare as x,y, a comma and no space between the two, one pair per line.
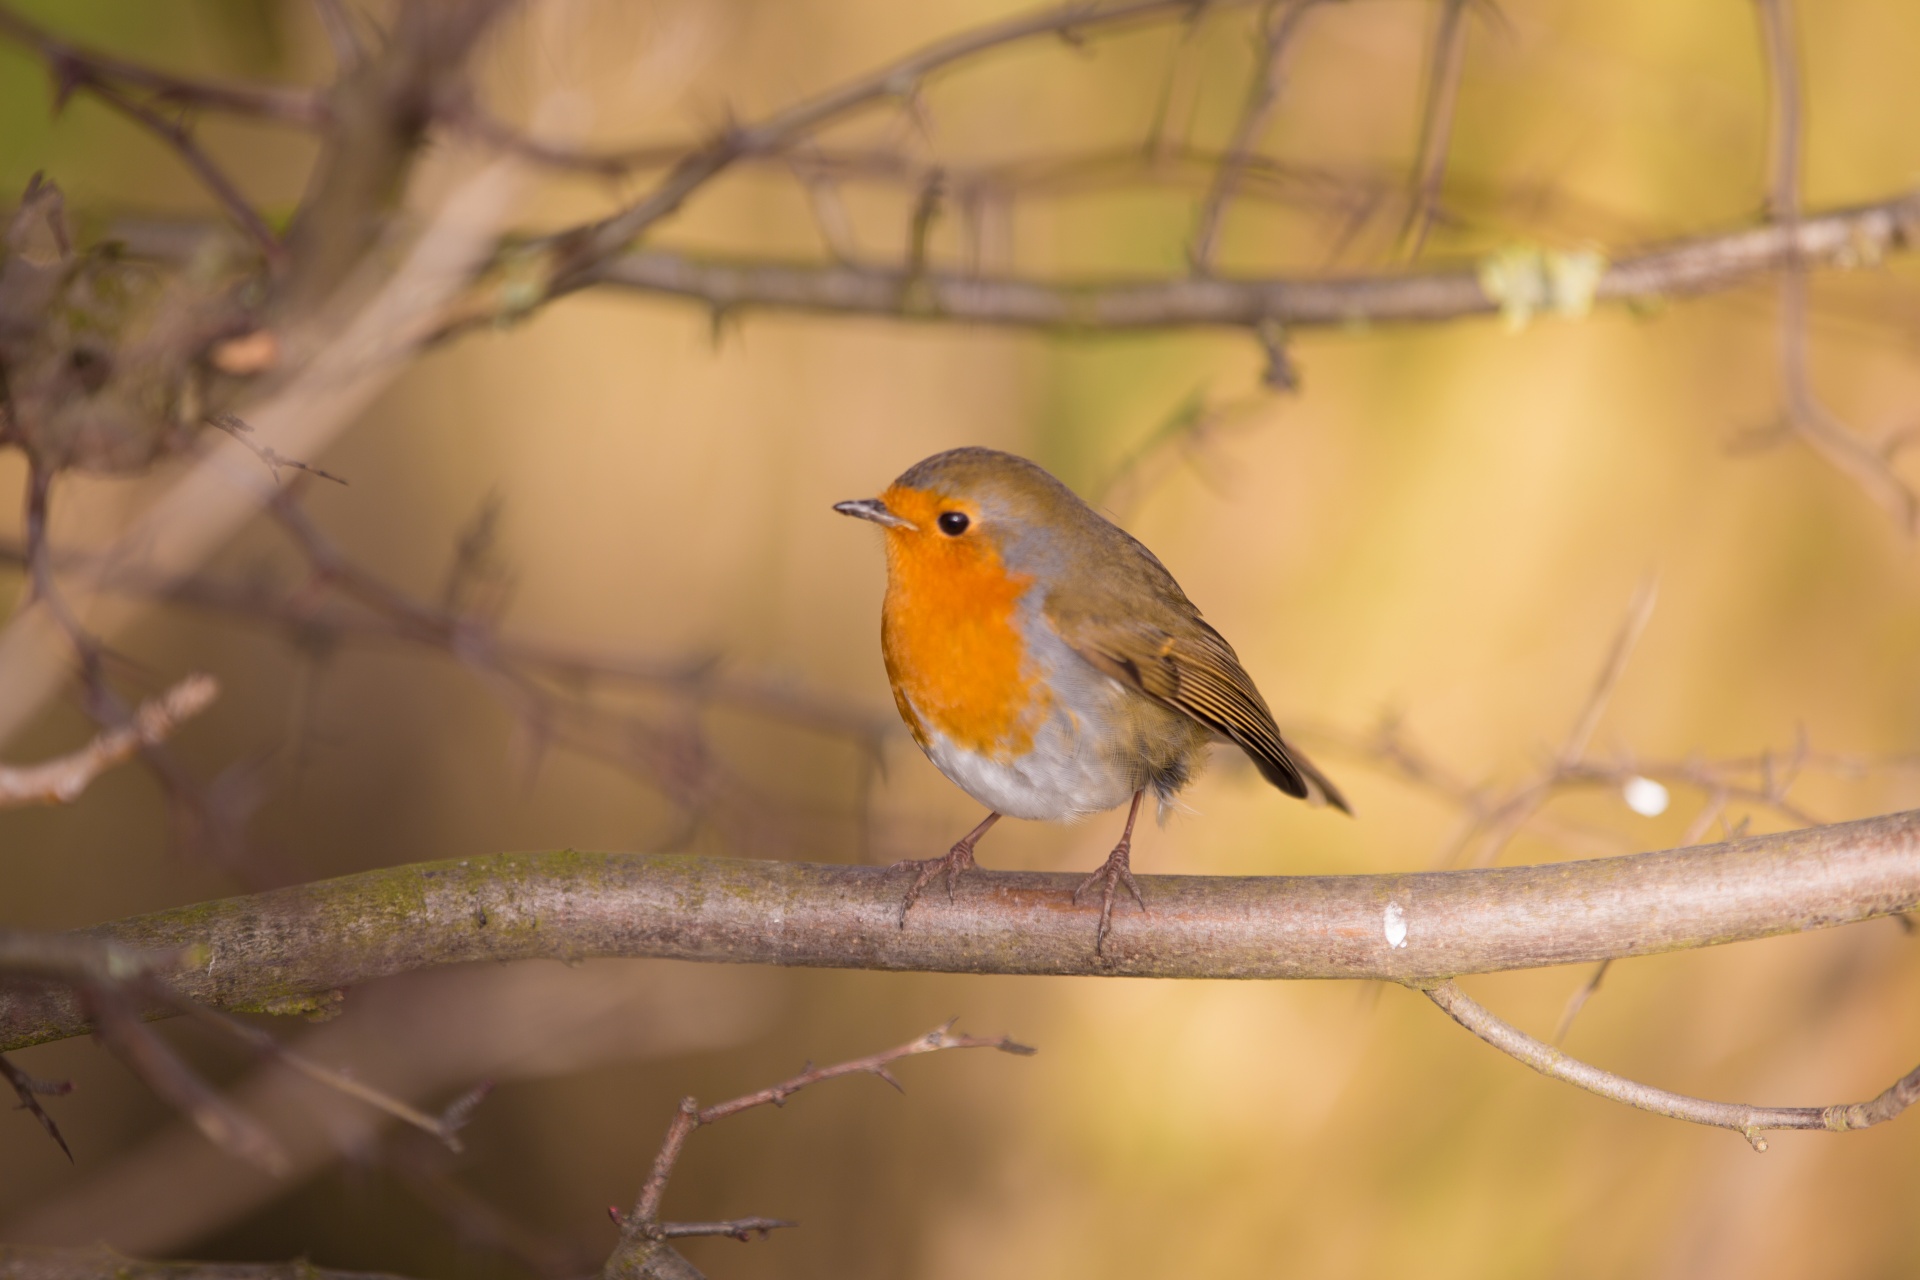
1445,523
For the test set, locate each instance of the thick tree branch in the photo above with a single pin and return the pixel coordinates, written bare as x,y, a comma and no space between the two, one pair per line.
1701,264
1748,1121
270,948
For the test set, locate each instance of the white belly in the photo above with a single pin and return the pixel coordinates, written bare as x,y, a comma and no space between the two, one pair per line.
1059,780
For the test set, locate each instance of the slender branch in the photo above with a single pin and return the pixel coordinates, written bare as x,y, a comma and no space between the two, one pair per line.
1750,1122
1504,822
1701,264
1578,1000
29,1090
74,67
896,81
116,1021
642,1227
61,781
1262,98
1411,927
387,614
211,175
741,1229
1436,126
1868,466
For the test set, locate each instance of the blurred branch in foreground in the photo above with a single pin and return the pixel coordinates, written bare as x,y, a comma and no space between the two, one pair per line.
120,988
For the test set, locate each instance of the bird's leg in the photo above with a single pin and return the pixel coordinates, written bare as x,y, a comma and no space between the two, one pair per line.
1114,871
957,862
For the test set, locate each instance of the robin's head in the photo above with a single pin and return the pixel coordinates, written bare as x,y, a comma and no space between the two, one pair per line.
968,506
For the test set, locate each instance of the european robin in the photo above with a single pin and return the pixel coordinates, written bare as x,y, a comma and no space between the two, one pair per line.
1048,664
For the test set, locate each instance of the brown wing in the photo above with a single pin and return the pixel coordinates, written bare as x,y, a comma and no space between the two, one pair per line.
1198,673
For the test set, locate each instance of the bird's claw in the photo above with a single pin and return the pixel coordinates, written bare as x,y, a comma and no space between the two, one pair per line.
955,863
1115,871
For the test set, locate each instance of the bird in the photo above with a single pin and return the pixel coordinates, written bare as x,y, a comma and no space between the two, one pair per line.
1049,665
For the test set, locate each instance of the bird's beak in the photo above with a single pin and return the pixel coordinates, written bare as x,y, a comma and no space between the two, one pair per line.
872,509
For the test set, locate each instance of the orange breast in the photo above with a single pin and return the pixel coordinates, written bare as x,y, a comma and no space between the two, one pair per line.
956,660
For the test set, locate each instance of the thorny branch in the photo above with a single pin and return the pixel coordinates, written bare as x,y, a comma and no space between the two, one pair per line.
641,1227
899,81
29,1090
75,68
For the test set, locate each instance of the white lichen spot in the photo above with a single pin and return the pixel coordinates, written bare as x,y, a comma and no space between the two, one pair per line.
1526,280
1396,926
1645,797
1512,278
1572,279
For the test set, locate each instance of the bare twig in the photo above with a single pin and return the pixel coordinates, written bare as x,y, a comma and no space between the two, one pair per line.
61,781
642,1225
1506,820
1578,1001
1750,1122
211,175
29,1090
236,426
587,247
741,1229
1436,126
1869,467
443,1128
74,67
1280,24
118,1024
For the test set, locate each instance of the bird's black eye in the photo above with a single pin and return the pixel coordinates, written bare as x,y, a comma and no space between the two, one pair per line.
953,523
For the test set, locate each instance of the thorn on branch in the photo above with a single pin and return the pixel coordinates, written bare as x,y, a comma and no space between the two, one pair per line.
242,431
29,1090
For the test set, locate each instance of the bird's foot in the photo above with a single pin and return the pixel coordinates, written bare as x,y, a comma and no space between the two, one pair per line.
955,863
1110,875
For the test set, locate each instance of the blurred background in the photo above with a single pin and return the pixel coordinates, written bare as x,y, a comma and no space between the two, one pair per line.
1427,548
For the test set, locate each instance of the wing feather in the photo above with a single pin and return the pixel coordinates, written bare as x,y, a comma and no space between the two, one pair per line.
1198,674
